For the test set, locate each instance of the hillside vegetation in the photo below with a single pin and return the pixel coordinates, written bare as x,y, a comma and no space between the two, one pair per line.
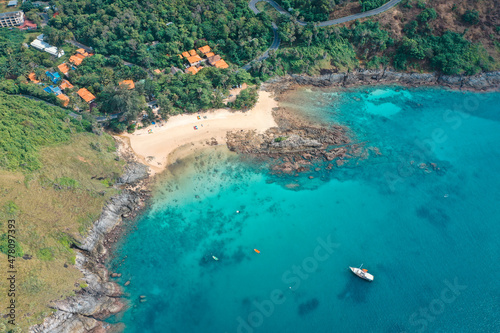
54,180
410,37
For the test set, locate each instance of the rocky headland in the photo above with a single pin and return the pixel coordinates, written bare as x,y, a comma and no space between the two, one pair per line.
84,312
297,144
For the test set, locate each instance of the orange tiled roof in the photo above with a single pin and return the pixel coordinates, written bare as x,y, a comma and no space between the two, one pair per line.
213,59
82,52
193,69
64,98
157,71
32,78
209,54
128,83
64,68
192,52
194,59
75,60
185,54
221,64
204,49
65,84
86,95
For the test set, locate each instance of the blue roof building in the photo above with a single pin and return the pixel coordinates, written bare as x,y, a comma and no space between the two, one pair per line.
53,90
54,76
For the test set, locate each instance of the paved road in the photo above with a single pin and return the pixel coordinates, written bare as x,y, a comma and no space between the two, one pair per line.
344,19
276,41
274,46
80,45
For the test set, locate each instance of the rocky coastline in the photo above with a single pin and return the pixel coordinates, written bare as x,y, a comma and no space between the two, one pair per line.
298,145
85,312
362,77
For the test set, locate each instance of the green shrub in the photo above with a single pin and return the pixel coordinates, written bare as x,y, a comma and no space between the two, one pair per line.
471,17
66,183
11,208
65,240
280,138
45,254
367,5
131,128
426,15
10,246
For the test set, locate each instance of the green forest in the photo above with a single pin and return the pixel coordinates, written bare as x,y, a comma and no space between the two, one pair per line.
309,49
152,33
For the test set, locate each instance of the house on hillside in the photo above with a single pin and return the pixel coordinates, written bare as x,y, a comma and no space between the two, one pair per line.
32,78
78,57
209,54
185,55
39,44
12,3
192,52
194,60
53,90
64,99
84,53
204,49
11,19
221,64
127,83
193,70
213,59
53,76
65,85
64,68
86,95
27,25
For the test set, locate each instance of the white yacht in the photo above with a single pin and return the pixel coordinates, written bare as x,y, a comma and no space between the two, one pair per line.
362,273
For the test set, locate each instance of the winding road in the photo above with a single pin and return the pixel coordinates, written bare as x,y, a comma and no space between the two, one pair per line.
276,41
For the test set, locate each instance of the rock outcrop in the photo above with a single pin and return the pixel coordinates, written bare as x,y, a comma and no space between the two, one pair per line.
294,145
481,82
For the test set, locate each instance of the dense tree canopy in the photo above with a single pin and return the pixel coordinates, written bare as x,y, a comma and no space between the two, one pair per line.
153,33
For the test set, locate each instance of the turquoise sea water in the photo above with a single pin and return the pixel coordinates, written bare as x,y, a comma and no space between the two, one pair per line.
429,233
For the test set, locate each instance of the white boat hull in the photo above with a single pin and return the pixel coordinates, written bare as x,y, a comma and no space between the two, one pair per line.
362,274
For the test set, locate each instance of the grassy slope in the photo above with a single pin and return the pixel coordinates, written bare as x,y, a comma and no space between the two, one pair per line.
52,206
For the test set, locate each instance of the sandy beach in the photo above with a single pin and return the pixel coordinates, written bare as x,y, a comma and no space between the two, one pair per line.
157,149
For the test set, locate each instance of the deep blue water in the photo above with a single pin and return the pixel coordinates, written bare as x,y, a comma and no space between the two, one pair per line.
429,233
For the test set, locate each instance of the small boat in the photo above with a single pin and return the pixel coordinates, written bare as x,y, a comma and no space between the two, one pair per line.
362,273
215,258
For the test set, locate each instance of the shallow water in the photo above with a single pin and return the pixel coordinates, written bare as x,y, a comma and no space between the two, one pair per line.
429,233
